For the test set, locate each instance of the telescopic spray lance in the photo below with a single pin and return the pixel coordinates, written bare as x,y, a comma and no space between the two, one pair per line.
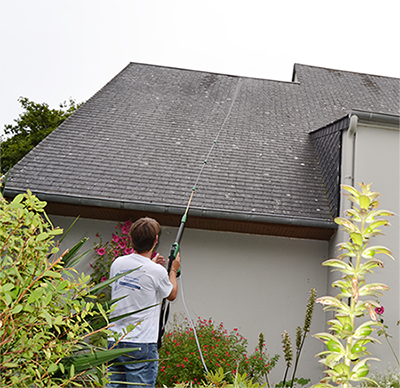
175,246
173,253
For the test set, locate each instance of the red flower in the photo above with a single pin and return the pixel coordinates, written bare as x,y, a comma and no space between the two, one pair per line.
379,310
101,251
103,279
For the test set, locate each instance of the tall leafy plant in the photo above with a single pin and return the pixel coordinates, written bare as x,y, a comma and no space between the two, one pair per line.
301,334
46,313
345,358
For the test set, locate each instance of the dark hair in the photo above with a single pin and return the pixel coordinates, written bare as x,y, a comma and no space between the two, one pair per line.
143,233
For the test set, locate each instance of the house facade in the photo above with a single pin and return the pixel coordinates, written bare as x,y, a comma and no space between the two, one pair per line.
262,217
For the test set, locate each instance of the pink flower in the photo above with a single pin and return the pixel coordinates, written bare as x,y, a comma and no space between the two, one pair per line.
124,230
115,238
101,251
103,279
379,310
122,244
128,251
128,224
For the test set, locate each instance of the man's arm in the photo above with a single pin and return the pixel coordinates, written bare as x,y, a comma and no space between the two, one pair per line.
172,277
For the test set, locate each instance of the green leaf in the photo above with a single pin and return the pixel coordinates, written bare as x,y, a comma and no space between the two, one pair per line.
335,346
76,260
339,264
85,361
100,286
6,287
378,213
18,198
351,190
73,251
51,274
357,238
8,298
331,301
99,323
52,368
42,236
372,251
47,316
373,289
347,224
10,365
364,201
17,309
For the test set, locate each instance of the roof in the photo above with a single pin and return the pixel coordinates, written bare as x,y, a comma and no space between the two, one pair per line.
141,141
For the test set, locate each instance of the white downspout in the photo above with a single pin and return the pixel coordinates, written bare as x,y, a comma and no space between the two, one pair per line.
349,158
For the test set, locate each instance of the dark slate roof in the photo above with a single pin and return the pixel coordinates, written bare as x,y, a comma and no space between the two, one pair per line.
143,138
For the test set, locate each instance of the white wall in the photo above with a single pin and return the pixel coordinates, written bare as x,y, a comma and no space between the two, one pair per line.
255,283
377,161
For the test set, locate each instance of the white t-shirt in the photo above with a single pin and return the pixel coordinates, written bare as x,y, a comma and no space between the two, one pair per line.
144,287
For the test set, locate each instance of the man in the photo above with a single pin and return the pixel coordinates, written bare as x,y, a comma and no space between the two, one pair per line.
145,287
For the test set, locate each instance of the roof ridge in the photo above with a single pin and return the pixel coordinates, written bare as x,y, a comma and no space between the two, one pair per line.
209,72
343,71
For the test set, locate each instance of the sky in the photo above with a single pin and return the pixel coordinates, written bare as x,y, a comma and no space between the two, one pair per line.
54,50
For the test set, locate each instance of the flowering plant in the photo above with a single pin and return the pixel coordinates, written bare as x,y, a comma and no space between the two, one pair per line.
346,346
180,359
106,253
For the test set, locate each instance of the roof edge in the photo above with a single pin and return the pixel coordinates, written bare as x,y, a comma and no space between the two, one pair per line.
376,117
175,209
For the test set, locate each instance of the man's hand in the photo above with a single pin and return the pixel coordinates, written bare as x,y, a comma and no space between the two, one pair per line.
172,277
158,259
176,264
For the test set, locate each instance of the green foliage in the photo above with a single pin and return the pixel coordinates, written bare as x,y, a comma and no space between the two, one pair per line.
107,252
45,311
293,383
301,334
30,128
345,358
259,364
180,360
218,379
390,378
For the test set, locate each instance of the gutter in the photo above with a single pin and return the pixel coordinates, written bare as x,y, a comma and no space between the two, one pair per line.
382,118
178,210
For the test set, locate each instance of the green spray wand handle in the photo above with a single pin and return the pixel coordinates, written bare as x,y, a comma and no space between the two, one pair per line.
173,253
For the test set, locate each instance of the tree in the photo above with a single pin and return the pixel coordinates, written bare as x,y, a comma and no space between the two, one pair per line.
30,128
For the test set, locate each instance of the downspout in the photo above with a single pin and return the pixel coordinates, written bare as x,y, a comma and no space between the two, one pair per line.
349,162
352,134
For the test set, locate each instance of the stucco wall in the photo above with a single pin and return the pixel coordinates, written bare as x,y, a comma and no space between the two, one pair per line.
376,161
254,283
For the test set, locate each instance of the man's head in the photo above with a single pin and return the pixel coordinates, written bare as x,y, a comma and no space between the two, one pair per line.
144,234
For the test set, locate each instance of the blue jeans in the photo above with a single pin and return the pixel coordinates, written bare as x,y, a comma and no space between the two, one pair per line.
142,372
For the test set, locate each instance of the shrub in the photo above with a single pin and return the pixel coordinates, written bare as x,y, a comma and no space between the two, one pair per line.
45,312
180,359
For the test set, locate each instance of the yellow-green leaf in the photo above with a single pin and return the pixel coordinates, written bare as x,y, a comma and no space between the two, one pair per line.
42,236
10,365
51,274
